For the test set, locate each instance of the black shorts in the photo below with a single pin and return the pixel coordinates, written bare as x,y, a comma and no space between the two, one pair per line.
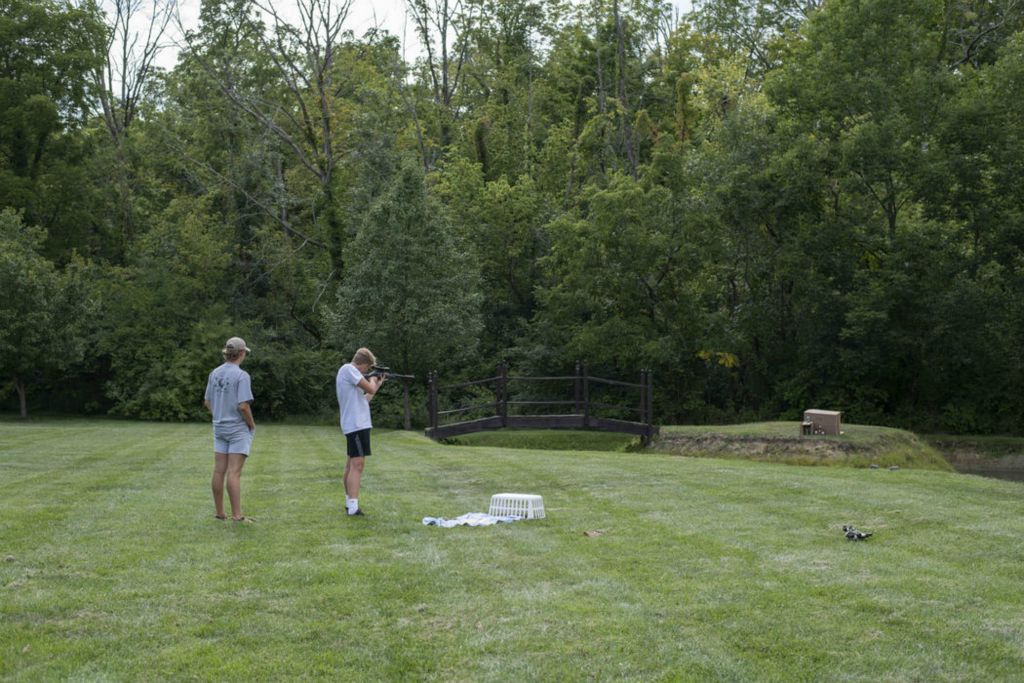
358,443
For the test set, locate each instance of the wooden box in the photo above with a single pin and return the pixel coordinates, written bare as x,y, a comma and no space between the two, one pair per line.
826,422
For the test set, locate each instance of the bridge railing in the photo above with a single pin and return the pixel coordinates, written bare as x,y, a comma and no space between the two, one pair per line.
489,404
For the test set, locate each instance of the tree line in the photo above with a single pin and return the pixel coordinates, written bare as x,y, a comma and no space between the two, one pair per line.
771,204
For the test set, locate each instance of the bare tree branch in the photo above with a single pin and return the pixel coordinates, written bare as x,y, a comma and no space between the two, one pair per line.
303,57
279,217
443,29
134,40
969,45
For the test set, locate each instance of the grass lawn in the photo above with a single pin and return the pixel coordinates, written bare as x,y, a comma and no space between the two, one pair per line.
113,568
549,440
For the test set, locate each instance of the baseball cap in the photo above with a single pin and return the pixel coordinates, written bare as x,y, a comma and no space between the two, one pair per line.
236,344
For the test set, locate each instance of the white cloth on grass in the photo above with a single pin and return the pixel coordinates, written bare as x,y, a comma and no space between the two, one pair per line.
470,519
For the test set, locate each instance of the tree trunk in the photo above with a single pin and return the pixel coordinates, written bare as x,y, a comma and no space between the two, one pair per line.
19,385
334,226
626,127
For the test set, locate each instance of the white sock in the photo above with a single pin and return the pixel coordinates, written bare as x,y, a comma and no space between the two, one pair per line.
352,504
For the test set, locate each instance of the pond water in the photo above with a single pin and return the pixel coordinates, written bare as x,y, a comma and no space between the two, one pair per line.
1011,475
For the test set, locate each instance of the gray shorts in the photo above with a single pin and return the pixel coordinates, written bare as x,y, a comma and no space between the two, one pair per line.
240,442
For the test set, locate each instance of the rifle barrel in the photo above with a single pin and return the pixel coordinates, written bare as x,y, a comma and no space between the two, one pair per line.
387,375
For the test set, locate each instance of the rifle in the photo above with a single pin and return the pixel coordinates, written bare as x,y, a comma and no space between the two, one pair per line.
385,372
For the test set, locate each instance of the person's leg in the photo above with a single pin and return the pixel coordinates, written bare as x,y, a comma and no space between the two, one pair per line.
220,467
358,446
235,463
348,468
353,474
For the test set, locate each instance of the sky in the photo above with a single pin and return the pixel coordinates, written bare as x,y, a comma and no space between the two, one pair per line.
363,15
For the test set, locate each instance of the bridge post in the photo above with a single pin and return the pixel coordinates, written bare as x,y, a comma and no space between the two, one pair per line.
432,398
578,388
407,422
586,397
650,406
503,393
643,403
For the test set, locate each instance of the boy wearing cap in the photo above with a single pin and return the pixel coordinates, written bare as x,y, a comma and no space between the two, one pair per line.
354,394
228,395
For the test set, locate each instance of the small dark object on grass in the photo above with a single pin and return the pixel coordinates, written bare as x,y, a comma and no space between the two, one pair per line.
854,535
893,468
873,466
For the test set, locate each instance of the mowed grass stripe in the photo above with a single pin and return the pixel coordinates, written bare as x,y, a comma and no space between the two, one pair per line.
169,539
770,528
80,476
662,530
29,453
462,478
92,518
766,529
706,569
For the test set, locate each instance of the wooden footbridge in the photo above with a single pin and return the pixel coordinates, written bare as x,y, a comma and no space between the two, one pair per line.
506,405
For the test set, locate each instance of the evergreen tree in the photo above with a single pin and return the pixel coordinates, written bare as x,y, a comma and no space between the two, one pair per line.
411,291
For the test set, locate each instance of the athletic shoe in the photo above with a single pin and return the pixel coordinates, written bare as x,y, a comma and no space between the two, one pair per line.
357,513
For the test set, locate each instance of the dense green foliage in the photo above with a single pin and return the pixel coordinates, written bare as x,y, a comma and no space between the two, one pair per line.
772,205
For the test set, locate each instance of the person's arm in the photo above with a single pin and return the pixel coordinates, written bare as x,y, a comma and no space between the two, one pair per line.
370,386
246,412
208,393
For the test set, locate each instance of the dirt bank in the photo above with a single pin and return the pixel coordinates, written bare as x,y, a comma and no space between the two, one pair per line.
901,448
756,447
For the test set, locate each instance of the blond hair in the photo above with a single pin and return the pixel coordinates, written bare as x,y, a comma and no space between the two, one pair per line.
364,355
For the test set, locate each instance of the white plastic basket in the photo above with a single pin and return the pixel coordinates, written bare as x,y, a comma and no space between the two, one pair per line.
519,504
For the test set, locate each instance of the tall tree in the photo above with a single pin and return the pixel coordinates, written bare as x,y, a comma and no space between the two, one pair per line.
299,108
617,288
37,312
751,28
443,28
134,38
866,76
47,49
503,89
504,223
412,290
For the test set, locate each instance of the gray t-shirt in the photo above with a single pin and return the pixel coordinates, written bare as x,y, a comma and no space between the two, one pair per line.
228,386
352,403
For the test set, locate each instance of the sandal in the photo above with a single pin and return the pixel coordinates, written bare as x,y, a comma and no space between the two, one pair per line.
220,517
243,518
